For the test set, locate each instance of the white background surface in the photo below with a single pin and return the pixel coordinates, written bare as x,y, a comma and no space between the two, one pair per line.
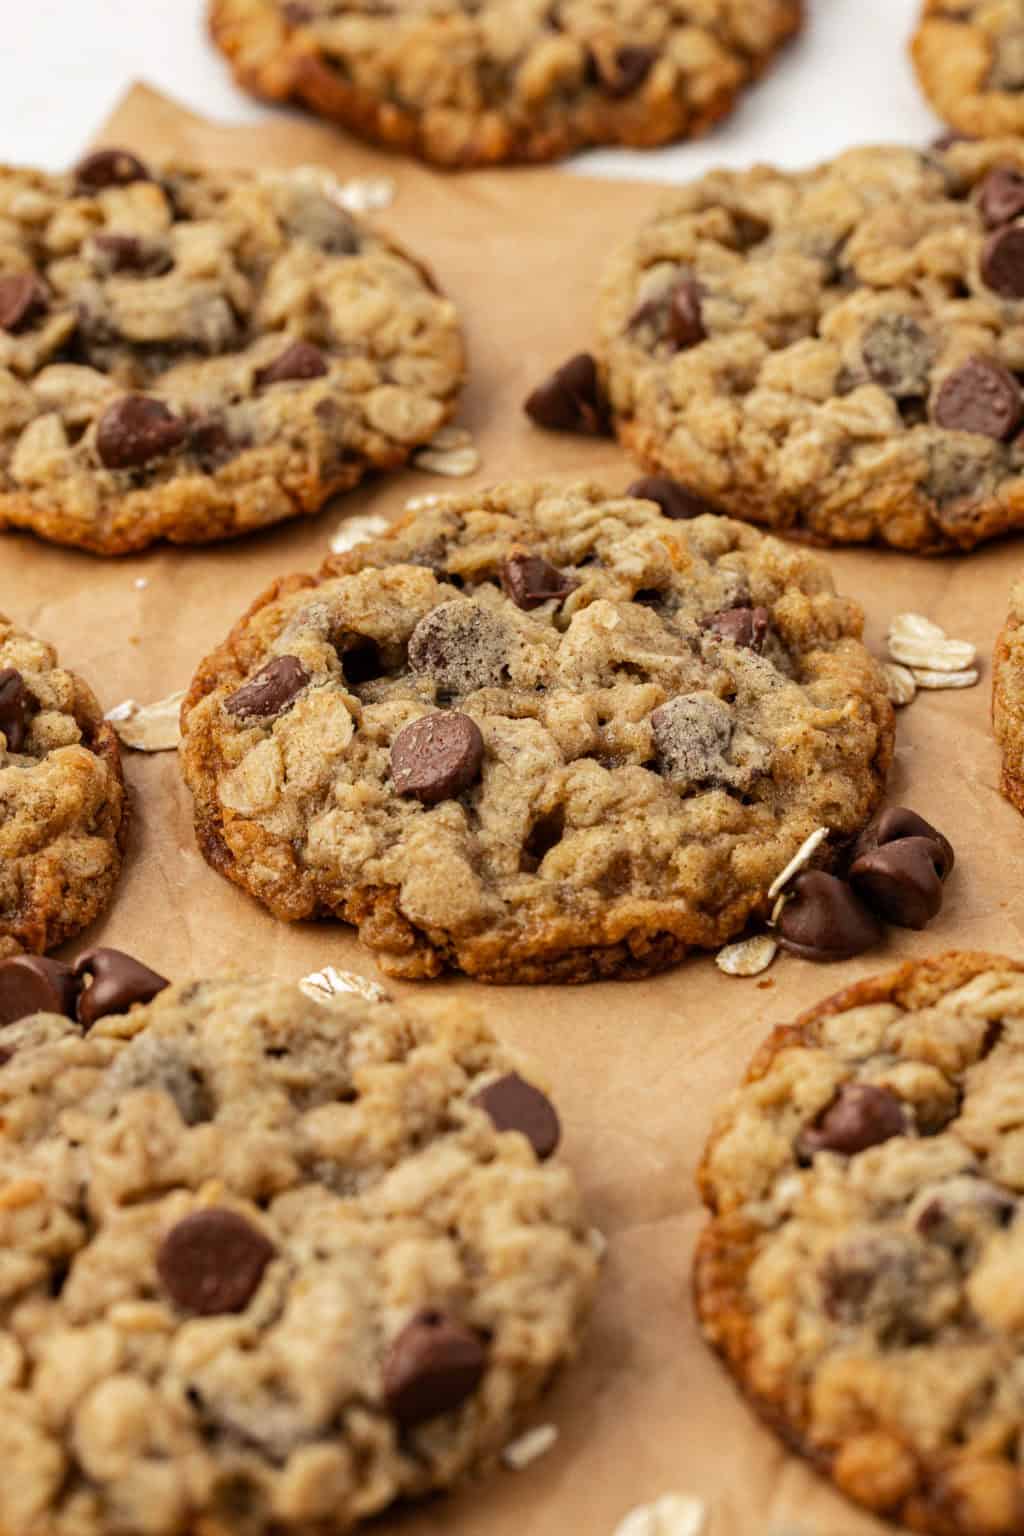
63,64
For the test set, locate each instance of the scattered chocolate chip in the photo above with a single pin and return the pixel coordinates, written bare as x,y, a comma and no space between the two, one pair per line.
824,919
529,580
860,1116
685,321
302,360
744,627
1002,261
437,757
14,708
213,1262
1001,196
33,984
901,881
118,983
127,253
898,355
627,70
516,1105
270,692
674,499
109,168
980,396
571,400
461,646
23,298
896,822
433,1365
135,430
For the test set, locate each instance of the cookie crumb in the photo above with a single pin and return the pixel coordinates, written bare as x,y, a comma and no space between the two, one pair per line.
149,727
674,1514
357,530
529,1447
328,983
748,957
799,861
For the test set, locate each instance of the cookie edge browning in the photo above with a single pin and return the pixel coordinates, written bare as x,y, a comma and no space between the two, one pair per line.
100,739
727,1244
960,96
412,953
283,71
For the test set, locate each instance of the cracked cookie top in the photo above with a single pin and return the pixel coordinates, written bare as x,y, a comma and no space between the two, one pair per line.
63,809
536,733
192,355
269,1263
860,1274
471,82
837,351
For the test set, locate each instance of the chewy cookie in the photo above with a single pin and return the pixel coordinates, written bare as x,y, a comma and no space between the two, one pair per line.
63,808
192,355
836,353
473,82
861,1271
269,1264
969,56
536,734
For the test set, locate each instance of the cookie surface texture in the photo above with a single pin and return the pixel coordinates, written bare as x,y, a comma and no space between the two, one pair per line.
858,1275
537,733
970,63
835,352
475,84
267,1265
63,808
191,355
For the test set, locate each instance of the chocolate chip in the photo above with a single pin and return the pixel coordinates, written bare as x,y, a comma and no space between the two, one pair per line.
824,919
898,355
860,1116
299,361
674,499
213,1262
980,396
516,1105
211,443
962,1208
901,881
691,735
135,430
33,984
126,253
271,691
149,1062
896,822
109,168
685,322
14,708
461,646
744,627
571,400
433,1365
1001,196
627,70
530,580
437,757
118,983
23,298
1002,261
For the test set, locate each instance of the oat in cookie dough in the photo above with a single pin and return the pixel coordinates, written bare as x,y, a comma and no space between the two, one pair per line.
268,1264
836,353
192,355
969,56
861,1271
475,82
63,807
539,733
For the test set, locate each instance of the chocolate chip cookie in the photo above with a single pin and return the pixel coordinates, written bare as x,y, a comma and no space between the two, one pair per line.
269,1264
63,808
835,353
474,82
192,355
969,56
861,1271
540,733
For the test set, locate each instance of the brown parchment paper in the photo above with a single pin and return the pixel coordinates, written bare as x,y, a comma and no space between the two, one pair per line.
637,1068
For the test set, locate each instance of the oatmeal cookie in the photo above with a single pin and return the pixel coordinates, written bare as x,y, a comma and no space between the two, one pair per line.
861,1271
192,355
969,56
539,733
269,1264
463,83
835,353
63,808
